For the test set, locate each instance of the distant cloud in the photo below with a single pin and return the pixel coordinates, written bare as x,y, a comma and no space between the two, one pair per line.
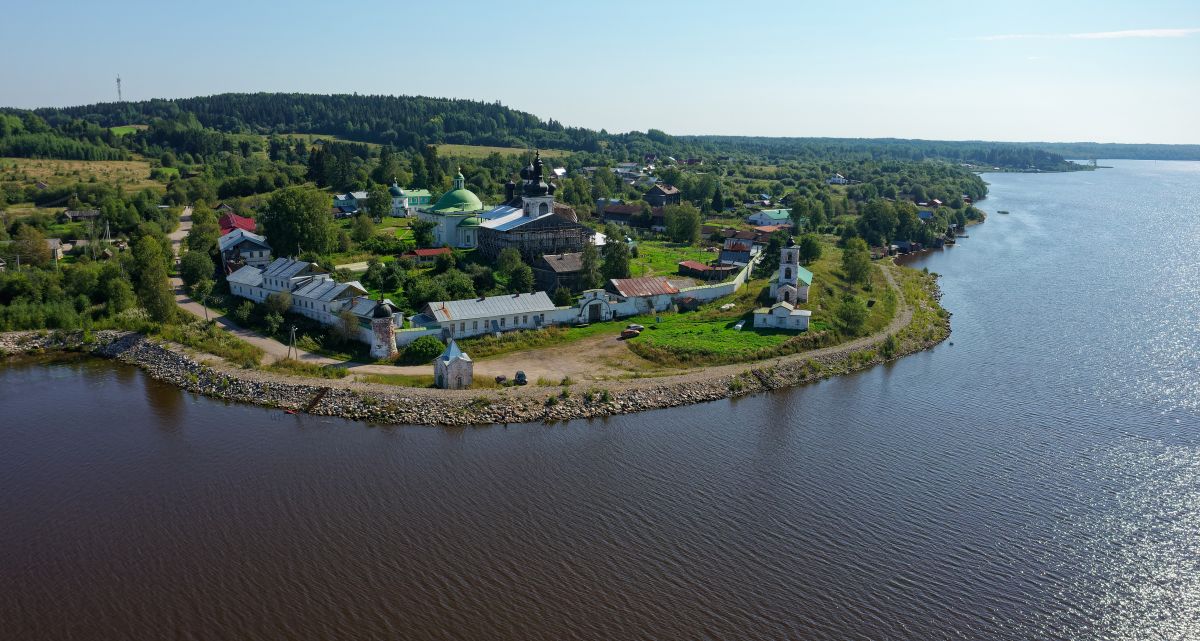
1096,35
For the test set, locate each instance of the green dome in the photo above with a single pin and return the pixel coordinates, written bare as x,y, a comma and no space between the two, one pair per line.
395,191
473,221
461,199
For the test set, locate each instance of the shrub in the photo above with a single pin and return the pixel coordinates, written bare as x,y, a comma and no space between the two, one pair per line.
422,350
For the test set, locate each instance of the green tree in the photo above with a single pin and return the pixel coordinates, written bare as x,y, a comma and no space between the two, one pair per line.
616,259
201,290
810,248
153,291
30,245
563,297
422,232
243,312
718,201
856,261
279,303
590,275
118,296
205,231
379,202
298,218
682,223
508,261
273,321
521,279
423,350
194,266
363,229
851,314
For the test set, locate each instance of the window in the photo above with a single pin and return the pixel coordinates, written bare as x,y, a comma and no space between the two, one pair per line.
474,324
516,320
462,327
524,320
502,322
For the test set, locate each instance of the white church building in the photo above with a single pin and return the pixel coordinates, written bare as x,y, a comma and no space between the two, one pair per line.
789,287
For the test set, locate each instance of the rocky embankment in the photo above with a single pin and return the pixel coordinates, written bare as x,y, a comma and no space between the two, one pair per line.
400,405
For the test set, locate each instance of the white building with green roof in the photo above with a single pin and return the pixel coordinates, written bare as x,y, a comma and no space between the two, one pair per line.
456,216
405,201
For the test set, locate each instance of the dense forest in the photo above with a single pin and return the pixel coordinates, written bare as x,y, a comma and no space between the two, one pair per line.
411,122
1087,150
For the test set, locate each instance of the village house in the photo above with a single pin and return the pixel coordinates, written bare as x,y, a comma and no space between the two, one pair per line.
695,269
559,270
240,247
350,202
662,195
56,248
836,179
75,216
633,216
738,250
231,221
426,256
770,217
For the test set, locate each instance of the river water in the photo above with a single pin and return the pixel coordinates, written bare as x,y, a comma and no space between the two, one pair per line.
1038,476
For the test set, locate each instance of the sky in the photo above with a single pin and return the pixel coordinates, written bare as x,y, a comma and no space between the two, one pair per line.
1013,70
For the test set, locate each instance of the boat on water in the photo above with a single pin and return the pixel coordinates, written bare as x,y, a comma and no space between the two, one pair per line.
1002,211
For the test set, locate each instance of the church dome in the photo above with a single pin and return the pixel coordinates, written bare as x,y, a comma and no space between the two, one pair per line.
473,221
395,191
458,199
383,310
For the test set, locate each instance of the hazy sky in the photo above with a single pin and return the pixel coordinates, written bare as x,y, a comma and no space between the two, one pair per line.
1006,70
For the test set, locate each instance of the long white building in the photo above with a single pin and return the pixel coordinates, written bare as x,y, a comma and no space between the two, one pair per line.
316,295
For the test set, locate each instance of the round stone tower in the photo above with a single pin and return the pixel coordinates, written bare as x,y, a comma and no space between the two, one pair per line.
383,331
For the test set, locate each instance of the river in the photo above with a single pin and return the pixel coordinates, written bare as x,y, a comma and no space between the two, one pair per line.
1036,476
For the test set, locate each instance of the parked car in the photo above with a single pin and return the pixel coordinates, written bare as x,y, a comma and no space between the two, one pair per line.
631,333
635,326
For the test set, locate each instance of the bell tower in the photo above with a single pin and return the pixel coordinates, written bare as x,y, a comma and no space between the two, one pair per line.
785,288
537,198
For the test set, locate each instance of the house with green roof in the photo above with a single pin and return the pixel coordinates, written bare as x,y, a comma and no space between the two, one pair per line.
405,201
771,217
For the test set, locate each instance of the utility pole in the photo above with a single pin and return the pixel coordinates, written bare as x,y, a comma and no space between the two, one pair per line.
292,342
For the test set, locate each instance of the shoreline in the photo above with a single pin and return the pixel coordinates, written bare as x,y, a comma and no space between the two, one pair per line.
385,404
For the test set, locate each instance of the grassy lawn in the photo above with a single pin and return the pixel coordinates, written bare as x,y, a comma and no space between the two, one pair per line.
659,258
312,138
728,221
311,370
481,151
125,130
706,336
133,175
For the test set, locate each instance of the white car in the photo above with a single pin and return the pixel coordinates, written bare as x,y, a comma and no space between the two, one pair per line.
636,327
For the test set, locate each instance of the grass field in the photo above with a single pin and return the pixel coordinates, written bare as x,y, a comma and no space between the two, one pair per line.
658,258
480,151
312,138
133,175
125,130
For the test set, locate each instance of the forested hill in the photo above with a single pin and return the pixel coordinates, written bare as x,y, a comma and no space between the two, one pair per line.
401,121
411,122
1086,150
